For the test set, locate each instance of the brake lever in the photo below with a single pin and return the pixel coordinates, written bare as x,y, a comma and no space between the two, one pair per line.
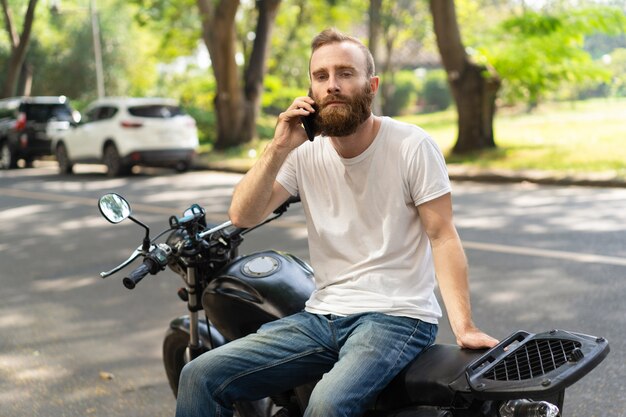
136,254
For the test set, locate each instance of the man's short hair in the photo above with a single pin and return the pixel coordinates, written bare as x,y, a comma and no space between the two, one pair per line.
332,35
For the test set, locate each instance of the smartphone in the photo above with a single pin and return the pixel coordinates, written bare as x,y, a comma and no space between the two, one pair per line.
310,125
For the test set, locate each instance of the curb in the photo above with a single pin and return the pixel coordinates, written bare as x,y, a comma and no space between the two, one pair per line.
474,174
602,179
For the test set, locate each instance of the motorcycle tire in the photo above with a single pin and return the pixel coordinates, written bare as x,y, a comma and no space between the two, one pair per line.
174,346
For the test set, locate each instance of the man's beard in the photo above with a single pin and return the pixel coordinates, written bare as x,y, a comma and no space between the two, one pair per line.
345,118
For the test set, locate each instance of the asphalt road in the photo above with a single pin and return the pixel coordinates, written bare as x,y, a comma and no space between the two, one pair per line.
72,344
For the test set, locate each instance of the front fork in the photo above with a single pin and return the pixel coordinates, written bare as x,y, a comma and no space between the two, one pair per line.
195,347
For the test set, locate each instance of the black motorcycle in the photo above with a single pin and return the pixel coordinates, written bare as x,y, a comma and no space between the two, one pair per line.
525,375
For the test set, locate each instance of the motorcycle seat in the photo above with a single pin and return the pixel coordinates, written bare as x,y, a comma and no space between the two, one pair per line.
435,377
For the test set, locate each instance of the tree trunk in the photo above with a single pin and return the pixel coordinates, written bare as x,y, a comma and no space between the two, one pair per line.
19,45
474,87
25,84
255,72
218,32
236,107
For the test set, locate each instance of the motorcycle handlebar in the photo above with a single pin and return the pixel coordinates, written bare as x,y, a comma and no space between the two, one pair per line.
157,263
137,275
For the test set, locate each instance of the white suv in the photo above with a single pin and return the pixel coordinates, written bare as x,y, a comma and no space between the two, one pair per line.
123,132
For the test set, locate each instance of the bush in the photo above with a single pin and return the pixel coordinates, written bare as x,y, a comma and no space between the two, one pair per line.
435,93
196,93
404,92
205,121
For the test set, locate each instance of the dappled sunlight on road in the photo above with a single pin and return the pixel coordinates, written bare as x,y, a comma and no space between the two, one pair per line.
531,294
44,225
557,213
199,196
75,224
11,319
19,213
62,284
26,371
76,186
38,363
490,221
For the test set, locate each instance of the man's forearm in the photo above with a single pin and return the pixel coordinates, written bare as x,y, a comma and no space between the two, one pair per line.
452,275
252,196
451,268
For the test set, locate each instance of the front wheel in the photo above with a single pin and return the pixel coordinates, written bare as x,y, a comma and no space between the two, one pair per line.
174,347
7,156
63,158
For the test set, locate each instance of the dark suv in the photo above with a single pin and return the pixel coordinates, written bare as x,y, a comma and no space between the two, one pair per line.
23,125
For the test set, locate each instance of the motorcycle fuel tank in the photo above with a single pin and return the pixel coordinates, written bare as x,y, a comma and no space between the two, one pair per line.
256,289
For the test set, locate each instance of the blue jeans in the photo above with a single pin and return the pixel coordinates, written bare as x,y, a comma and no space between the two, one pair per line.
355,357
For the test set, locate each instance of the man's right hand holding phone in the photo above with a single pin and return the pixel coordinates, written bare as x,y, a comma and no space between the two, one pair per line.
290,131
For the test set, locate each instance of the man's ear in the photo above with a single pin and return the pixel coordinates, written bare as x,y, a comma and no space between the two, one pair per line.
374,82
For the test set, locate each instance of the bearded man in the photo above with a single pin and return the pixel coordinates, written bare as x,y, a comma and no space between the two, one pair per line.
376,195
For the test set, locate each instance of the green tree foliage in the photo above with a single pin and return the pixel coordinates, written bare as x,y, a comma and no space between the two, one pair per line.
61,53
298,21
405,25
174,23
535,52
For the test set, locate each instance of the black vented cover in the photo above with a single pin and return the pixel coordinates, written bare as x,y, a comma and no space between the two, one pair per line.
537,364
533,359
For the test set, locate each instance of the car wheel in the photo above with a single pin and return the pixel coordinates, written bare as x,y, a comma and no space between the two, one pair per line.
7,157
182,166
113,162
65,165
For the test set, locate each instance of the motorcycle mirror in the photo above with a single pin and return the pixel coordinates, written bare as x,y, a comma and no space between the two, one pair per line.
114,207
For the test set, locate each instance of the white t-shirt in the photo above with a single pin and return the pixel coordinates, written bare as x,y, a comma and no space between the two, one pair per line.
366,241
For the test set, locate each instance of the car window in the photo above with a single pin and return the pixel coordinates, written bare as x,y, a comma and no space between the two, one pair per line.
107,112
91,115
61,113
100,113
160,111
44,112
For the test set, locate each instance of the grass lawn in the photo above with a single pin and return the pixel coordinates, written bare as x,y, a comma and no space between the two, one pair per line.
570,137
573,137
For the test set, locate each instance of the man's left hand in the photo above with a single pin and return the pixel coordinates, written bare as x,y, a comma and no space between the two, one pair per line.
475,339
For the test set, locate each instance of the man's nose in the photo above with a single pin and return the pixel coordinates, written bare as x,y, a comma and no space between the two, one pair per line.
333,85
